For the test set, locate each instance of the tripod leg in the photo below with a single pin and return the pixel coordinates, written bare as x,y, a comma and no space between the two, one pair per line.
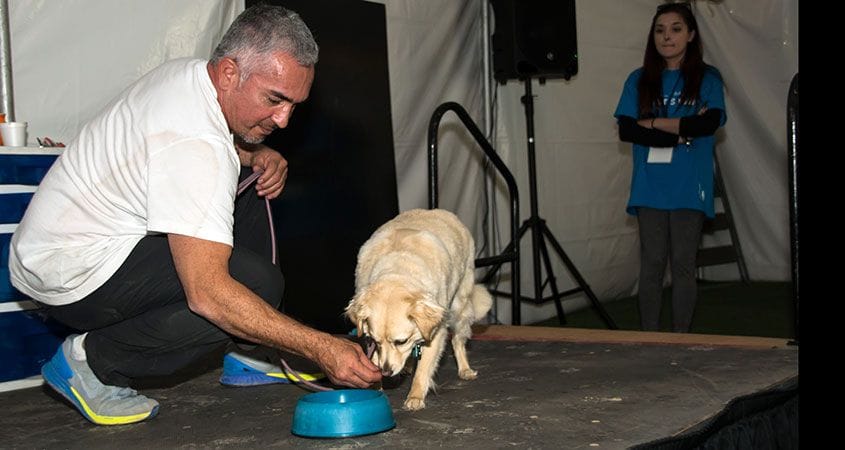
580,280
536,242
561,317
515,280
495,268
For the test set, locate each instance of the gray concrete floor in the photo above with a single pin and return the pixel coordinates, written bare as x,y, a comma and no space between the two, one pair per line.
529,394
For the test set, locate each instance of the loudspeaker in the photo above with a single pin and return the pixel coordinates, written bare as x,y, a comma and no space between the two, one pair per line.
534,38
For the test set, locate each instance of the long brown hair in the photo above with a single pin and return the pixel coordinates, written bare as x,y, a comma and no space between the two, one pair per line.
650,86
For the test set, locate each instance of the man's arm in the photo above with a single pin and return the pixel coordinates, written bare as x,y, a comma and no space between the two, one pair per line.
203,268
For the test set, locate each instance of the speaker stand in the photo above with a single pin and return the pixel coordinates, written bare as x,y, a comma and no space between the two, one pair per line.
540,233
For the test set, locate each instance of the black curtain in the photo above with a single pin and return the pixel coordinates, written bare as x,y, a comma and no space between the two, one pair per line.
339,145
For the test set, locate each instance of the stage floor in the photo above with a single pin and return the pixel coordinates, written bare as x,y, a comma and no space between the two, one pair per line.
537,388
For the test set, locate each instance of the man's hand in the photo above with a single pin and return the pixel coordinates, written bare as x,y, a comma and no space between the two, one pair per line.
274,165
345,364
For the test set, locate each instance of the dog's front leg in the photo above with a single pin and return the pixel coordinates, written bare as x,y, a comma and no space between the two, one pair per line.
424,374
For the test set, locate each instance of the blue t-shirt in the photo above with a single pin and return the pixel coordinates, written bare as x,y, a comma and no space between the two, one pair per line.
686,182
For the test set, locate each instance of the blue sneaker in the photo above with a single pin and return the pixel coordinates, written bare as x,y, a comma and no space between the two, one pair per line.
243,370
99,403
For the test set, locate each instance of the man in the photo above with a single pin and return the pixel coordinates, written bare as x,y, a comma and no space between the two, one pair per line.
129,237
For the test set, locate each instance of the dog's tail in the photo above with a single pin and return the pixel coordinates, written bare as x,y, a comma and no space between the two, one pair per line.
481,301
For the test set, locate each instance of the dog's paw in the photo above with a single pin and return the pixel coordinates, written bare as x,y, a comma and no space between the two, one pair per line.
468,374
414,404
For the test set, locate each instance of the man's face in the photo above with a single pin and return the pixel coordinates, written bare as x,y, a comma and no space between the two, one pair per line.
265,101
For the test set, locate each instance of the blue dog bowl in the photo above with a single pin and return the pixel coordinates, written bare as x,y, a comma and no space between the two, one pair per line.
342,413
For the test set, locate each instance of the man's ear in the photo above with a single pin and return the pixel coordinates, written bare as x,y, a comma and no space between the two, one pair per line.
427,316
228,74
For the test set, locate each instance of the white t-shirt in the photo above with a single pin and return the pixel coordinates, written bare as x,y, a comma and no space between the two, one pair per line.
158,159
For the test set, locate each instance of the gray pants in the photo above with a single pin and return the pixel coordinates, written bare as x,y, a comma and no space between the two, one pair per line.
674,234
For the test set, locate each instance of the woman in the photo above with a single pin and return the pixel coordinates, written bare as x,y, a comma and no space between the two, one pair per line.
670,108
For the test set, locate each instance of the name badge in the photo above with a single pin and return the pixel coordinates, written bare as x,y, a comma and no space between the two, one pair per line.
659,155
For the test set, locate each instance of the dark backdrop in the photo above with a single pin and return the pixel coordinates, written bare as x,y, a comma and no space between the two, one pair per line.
339,144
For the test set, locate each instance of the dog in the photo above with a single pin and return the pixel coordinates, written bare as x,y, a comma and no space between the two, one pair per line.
414,282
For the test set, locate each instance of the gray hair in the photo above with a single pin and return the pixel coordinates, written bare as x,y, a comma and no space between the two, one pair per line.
264,29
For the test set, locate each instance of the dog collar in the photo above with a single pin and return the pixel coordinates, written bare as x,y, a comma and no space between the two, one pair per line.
416,352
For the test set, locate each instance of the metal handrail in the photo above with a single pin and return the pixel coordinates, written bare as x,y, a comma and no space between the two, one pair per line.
497,260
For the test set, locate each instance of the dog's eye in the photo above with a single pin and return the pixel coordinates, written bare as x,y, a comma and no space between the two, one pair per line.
400,342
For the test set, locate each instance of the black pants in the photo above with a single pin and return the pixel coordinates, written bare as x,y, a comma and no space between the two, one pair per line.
674,234
138,322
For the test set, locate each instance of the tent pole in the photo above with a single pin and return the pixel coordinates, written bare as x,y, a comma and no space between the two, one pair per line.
6,92
485,25
489,183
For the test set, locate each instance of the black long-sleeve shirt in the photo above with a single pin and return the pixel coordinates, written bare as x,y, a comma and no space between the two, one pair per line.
689,126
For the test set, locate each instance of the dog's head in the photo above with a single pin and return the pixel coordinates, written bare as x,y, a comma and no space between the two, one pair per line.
396,318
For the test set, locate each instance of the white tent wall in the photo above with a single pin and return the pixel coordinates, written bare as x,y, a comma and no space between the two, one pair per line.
71,57
435,56
755,46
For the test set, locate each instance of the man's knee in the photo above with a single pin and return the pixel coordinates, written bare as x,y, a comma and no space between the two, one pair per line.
258,274
274,287
267,281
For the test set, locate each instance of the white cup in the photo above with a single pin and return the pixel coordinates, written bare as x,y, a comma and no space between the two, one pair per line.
13,133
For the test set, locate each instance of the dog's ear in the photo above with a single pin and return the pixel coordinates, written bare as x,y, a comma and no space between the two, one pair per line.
358,312
427,316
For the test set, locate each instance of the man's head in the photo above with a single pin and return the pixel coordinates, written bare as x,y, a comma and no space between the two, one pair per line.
262,68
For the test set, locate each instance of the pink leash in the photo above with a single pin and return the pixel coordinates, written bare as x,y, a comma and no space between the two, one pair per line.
371,346
242,187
